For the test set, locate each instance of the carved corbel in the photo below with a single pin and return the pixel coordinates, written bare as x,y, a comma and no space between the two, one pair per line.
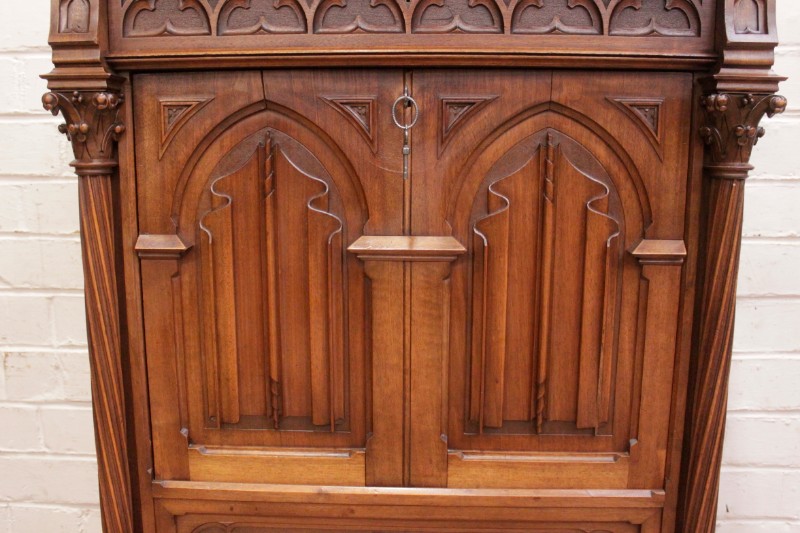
93,125
730,131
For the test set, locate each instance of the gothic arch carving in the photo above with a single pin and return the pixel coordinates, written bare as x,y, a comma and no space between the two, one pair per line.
187,190
573,17
460,16
669,18
249,17
530,183
152,18
632,179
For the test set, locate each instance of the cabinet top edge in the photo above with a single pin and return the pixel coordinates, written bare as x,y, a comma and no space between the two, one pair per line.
175,61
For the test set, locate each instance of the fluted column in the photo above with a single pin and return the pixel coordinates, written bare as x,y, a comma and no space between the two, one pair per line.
93,126
730,131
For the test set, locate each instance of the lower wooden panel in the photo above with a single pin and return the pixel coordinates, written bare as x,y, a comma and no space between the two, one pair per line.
280,465
187,507
527,471
255,525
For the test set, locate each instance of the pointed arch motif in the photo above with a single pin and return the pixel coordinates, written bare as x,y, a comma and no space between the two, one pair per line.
537,195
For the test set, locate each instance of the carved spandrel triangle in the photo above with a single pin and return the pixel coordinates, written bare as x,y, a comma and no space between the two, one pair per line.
646,114
454,112
649,114
174,115
360,112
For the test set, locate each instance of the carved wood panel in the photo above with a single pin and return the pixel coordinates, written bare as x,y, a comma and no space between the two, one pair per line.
545,237
670,18
269,220
255,351
549,379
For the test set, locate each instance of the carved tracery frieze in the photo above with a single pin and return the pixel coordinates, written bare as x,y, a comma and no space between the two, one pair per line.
467,16
636,18
358,16
248,17
152,18
575,17
673,18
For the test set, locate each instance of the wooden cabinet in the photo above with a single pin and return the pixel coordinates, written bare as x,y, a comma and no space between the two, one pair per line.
391,289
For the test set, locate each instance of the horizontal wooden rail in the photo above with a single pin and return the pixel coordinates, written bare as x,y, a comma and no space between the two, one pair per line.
407,248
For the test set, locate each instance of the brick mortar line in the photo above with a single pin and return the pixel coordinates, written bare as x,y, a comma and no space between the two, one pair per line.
769,297
762,352
43,350
726,464
45,50
22,177
776,240
30,179
791,414
85,458
46,292
743,521
38,505
772,356
59,405
44,54
43,118
762,180
47,453
766,296
26,348
38,237
761,468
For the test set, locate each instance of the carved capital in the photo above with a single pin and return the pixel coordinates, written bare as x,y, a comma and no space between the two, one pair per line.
93,125
732,128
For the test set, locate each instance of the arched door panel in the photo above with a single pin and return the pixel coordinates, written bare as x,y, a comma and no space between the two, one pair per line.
562,330
255,320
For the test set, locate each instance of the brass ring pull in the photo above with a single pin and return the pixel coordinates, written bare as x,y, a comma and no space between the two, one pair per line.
409,102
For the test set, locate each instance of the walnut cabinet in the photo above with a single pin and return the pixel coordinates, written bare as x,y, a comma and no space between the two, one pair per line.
438,265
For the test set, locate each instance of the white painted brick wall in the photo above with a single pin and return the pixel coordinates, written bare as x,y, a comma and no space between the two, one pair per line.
47,464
